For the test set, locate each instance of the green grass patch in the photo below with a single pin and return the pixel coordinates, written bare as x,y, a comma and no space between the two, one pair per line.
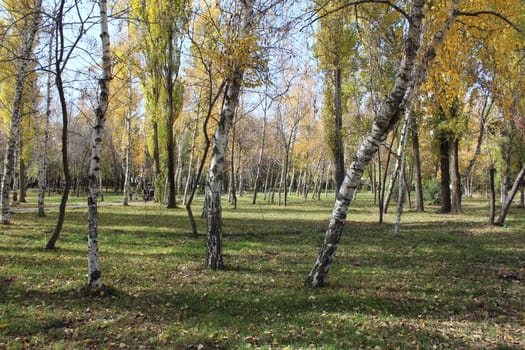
447,282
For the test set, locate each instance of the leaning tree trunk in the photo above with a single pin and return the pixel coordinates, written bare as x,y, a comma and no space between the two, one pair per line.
391,110
465,178
396,171
16,111
383,181
510,197
217,167
402,156
189,174
94,274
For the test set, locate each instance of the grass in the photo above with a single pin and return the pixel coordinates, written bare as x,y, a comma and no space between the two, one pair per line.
448,282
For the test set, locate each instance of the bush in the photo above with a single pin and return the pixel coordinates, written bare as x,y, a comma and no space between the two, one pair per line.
432,192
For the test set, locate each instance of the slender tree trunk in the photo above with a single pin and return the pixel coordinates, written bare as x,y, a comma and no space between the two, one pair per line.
211,103
396,171
455,178
16,111
156,148
189,174
339,159
232,189
59,49
281,181
402,156
22,173
383,188
170,141
180,160
16,175
259,161
267,180
505,206
127,172
214,258
43,145
292,179
391,110
327,179
420,206
94,274
444,146
492,195
506,181
484,113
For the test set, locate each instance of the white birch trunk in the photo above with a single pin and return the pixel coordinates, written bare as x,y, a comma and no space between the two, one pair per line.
42,161
216,174
391,110
16,112
402,156
94,274
190,162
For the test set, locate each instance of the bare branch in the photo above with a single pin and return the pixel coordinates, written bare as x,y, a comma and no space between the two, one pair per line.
492,13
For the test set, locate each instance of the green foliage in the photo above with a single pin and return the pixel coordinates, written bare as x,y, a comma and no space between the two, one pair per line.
439,285
432,192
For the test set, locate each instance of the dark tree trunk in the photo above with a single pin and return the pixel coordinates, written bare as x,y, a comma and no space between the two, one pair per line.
339,156
63,106
156,148
170,142
420,206
444,146
492,195
455,178
51,244
383,181
510,197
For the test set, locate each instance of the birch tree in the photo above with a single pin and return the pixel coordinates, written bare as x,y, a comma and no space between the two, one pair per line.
28,34
407,80
237,61
94,273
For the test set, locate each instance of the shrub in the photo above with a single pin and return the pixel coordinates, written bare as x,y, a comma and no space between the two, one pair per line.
432,192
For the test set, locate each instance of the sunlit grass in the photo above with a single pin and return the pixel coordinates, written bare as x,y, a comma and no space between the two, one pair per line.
439,284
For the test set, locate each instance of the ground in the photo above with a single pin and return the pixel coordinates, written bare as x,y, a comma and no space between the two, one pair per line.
447,282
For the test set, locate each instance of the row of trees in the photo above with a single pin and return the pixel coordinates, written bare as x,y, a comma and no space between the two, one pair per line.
264,95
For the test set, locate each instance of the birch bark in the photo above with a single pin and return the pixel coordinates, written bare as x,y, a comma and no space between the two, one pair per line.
94,274
16,112
402,156
216,173
42,159
390,112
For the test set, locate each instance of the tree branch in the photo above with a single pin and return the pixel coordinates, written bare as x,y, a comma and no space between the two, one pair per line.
312,20
492,13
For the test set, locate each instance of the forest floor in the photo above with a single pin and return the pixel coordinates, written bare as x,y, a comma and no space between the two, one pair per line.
447,282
